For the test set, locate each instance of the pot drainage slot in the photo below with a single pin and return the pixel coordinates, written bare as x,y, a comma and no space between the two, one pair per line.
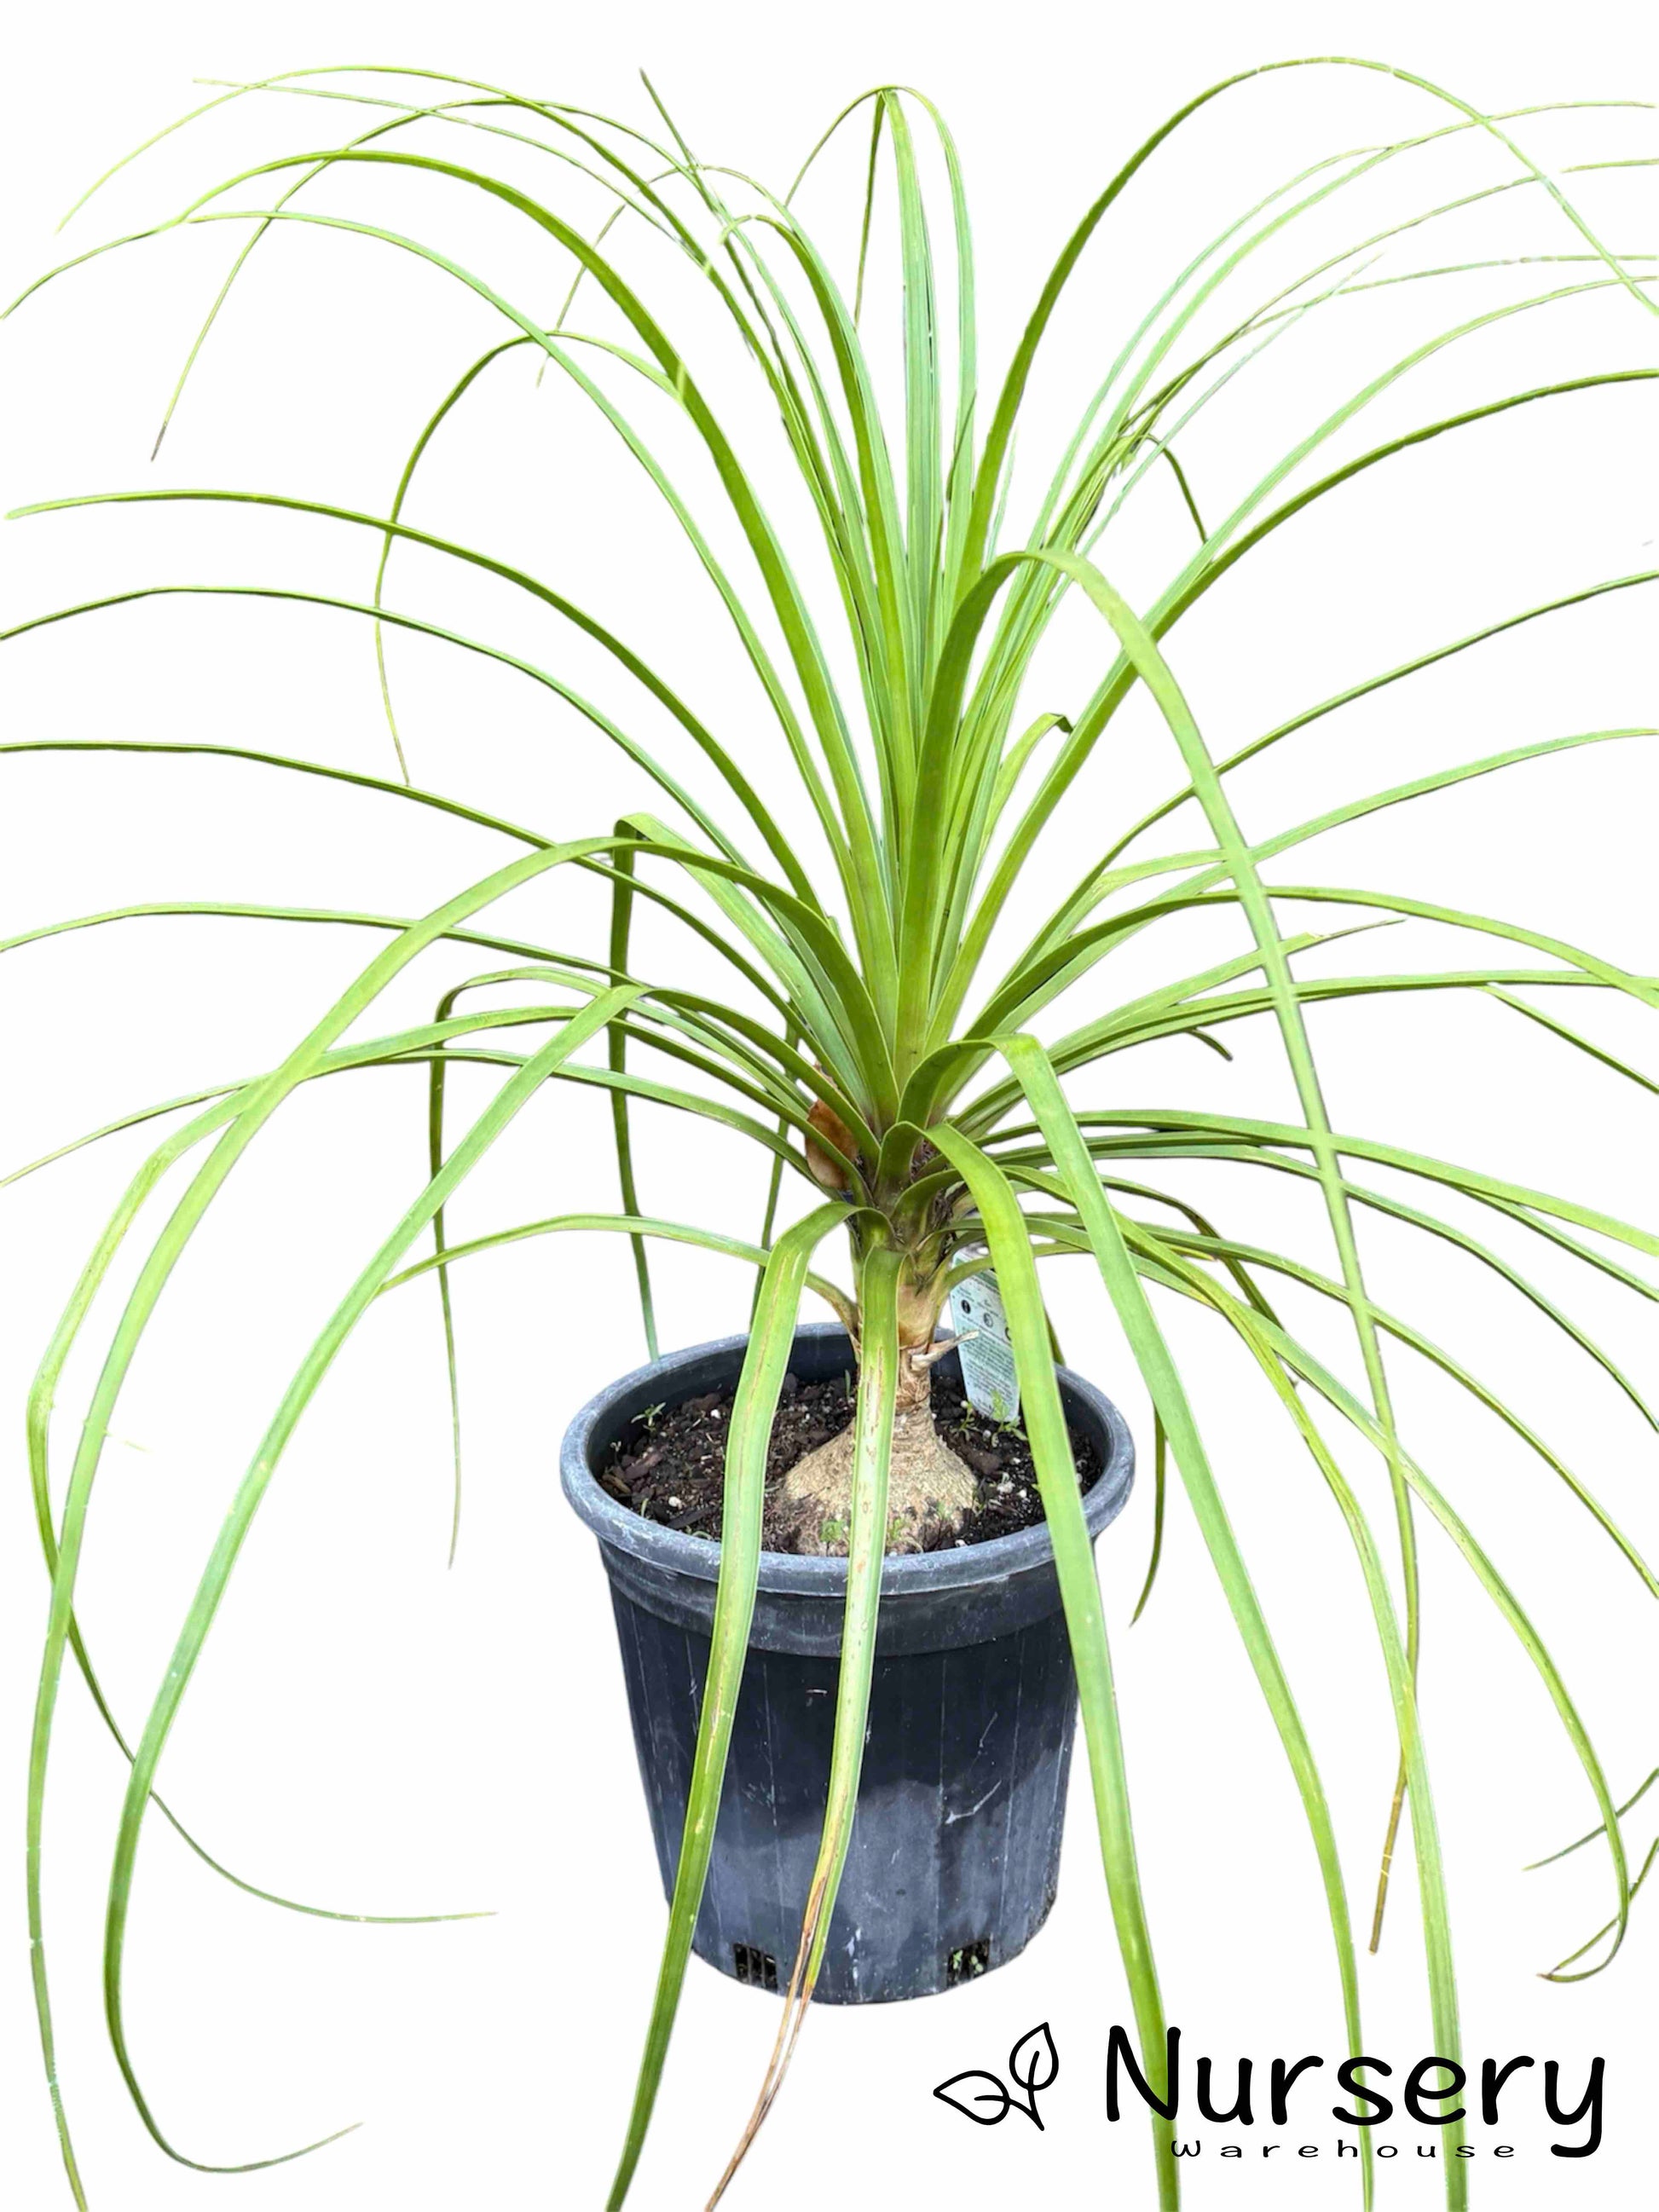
967,1964
758,1968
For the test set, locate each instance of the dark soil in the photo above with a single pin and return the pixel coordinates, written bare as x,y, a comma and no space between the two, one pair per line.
670,1464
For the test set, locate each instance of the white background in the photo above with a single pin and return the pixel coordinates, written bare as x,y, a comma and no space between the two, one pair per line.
371,1733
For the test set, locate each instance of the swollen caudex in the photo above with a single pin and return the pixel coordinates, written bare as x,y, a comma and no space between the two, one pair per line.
929,1487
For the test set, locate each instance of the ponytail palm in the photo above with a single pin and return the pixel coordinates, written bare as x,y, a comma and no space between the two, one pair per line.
911,1073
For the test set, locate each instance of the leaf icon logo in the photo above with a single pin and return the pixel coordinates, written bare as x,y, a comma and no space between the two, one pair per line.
988,2092
1033,2063
982,2097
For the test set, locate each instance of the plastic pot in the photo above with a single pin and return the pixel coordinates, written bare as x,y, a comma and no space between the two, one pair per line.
956,1846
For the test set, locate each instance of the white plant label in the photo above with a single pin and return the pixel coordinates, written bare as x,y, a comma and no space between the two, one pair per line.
988,1356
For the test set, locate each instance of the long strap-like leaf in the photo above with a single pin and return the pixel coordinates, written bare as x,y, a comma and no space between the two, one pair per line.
1085,1621
254,1110
1029,1064
514,1095
873,1443
765,1364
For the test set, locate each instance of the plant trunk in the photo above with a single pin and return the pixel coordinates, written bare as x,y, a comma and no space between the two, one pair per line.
929,1489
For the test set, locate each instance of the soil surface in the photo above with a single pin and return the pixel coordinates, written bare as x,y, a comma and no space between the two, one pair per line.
670,1464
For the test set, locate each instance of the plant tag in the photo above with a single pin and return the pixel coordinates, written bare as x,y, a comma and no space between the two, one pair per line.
987,1355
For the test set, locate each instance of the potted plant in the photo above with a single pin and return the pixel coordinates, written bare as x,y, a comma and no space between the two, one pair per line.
923,1084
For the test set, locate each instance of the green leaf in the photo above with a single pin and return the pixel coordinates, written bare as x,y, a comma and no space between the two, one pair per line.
873,1443
765,1363
1085,1622
1029,1064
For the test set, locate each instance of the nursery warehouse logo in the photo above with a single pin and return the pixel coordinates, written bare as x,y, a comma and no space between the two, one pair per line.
1375,2096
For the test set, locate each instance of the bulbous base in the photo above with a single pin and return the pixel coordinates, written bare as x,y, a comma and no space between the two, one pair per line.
929,1488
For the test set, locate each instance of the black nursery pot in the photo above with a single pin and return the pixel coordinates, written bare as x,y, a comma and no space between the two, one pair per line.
955,1846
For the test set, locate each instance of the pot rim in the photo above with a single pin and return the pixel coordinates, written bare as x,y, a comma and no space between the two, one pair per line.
787,1572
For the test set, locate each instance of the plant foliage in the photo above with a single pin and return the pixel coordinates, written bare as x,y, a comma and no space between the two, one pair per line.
910,1073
